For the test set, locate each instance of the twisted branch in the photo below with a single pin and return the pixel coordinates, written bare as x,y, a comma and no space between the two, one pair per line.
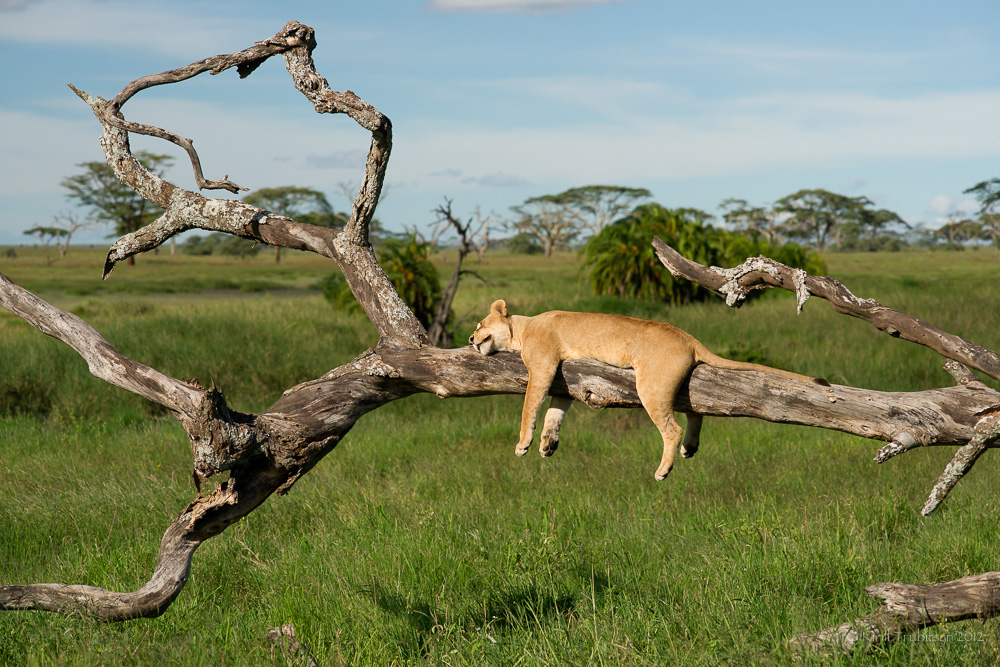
760,273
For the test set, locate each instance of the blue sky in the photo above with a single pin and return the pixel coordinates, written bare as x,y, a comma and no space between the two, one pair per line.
494,101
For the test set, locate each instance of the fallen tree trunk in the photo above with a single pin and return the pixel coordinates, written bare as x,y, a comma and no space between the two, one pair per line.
909,608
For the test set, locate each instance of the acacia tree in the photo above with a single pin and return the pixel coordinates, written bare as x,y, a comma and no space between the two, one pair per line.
755,221
548,218
988,194
959,230
594,206
110,200
815,214
266,453
294,202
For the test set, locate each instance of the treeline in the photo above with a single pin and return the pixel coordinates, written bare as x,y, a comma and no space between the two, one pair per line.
818,219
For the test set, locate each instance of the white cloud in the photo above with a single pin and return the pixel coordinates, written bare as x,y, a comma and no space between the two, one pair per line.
943,206
518,6
776,53
737,136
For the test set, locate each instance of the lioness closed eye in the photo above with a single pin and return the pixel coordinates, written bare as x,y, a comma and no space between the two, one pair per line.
662,355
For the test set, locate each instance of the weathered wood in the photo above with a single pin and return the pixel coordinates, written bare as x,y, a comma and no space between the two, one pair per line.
909,608
266,453
760,272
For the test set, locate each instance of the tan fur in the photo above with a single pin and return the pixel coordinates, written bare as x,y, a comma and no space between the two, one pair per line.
662,355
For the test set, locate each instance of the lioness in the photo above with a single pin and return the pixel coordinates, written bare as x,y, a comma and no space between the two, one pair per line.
662,355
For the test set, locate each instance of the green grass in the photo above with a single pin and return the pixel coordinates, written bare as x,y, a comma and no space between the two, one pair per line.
423,540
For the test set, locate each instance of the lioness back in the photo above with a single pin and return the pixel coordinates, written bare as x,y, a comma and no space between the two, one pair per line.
617,340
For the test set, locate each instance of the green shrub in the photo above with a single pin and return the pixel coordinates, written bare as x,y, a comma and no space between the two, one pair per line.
620,260
408,266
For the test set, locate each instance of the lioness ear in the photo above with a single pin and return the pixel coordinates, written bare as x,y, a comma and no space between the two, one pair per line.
499,306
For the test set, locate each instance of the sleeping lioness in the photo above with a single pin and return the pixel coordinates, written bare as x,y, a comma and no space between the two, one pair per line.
662,355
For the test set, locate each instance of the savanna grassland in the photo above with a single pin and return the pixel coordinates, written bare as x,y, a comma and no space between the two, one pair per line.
422,539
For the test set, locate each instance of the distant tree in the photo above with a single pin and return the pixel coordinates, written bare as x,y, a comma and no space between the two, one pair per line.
295,202
871,229
874,222
988,194
815,214
60,233
523,243
46,235
594,206
111,201
480,236
990,227
220,244
550,219
754,221
958,231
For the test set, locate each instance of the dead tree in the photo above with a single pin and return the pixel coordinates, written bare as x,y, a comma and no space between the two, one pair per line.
265,453
439,334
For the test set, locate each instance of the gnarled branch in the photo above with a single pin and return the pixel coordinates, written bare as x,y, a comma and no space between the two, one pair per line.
266,453
909,608
760,273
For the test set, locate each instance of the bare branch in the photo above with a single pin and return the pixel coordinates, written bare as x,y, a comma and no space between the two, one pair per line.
204,518
186,210
987,432
292,35
104,361
760,273
438,334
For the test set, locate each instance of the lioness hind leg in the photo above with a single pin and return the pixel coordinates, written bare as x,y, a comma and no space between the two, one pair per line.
657,396
692,435
558,407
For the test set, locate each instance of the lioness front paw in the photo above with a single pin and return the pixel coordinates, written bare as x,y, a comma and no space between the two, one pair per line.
521,449
549,443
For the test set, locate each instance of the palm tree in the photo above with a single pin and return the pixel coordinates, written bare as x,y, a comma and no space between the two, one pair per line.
408,265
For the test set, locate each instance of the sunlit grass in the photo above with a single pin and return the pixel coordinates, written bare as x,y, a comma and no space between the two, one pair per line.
422,539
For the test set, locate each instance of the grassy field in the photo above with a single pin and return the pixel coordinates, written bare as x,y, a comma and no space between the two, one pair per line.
423,540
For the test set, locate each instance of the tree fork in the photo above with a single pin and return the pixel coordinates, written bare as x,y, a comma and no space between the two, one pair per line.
266,453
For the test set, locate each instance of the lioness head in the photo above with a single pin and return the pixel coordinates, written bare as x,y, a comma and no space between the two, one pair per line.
493,333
